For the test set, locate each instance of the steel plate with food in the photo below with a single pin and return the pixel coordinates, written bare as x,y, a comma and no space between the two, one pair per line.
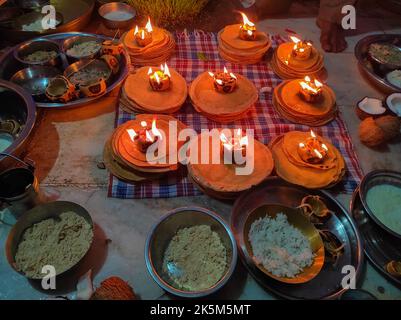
379,58
56,233
92,66
331,224
381,247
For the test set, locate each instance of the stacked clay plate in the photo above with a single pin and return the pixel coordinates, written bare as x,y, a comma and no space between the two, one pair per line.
221,181
124,159
290,105
291,167
157,52
137,95
233,49
288,67
222,107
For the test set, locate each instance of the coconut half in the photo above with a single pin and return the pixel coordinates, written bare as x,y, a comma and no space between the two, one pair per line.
393,102
370,107
394,77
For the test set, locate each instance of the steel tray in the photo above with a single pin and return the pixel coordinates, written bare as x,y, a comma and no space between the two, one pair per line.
9,65
327,284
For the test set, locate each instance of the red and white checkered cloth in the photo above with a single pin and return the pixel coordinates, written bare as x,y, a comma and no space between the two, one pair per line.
197,52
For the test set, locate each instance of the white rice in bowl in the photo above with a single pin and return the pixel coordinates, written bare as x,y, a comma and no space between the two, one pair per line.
281,248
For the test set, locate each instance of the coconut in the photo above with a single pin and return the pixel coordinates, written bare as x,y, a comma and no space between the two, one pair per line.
370,133
370,107
393,102
390,125
394,77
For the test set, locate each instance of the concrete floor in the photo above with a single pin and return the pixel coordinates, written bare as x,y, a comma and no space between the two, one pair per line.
67,166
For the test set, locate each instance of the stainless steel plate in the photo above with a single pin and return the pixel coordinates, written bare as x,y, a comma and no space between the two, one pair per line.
9,66
365,66
380,246
327,284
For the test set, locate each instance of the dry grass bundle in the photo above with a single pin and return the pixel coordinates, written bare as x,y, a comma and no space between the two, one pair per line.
169,13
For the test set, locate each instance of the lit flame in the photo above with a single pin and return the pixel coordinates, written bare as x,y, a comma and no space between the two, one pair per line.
325,147
144,124
132,134
313,135
153,132
246,21
307,85
318,153
156,132
143,34
157,77
239,140
295,39
302,145
225,70
150,71
136,30
165,70
148,26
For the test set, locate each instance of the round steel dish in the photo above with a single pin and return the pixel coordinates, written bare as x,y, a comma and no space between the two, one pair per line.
79,39
30,47
375,178
35,79
380,246
116,6
76,15
167,227
36,215
16,105
366,67
299,221
32,17
9,66
327,284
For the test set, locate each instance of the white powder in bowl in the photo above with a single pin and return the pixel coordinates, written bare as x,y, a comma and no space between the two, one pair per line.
118,15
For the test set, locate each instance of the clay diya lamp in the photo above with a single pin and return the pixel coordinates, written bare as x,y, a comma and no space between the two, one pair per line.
234,150
112,47
312,150
60,89
93,88
311,91
247,30
143,36
112,62
160,79
302,49
224,82
147,135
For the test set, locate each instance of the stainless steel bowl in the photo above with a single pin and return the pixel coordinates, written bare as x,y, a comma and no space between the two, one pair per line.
29,47
117,7
35,79
36,215
70,42
32,17
374,178
167,227
94,64
18,108
382,64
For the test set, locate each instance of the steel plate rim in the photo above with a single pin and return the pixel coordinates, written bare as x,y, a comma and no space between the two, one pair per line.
359,256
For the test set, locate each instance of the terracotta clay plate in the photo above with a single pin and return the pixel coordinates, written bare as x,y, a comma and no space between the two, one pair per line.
327,284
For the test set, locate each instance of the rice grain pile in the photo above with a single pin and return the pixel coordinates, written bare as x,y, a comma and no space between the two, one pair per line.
281,248
57,242
199,255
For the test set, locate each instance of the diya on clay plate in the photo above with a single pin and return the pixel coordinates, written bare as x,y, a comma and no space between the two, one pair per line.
125,153
307,160
243,43
297,59
221,180
305,101
154,90
223,96
149,45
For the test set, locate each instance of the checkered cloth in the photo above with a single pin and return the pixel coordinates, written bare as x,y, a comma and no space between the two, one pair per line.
197,52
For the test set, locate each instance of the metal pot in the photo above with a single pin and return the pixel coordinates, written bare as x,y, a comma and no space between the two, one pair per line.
19,188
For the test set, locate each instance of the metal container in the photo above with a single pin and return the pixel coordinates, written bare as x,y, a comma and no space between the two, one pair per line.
32,18
31,4
71,41
117,7
17,106
167,227
33,46
35,79
19,188
36,215
374,178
